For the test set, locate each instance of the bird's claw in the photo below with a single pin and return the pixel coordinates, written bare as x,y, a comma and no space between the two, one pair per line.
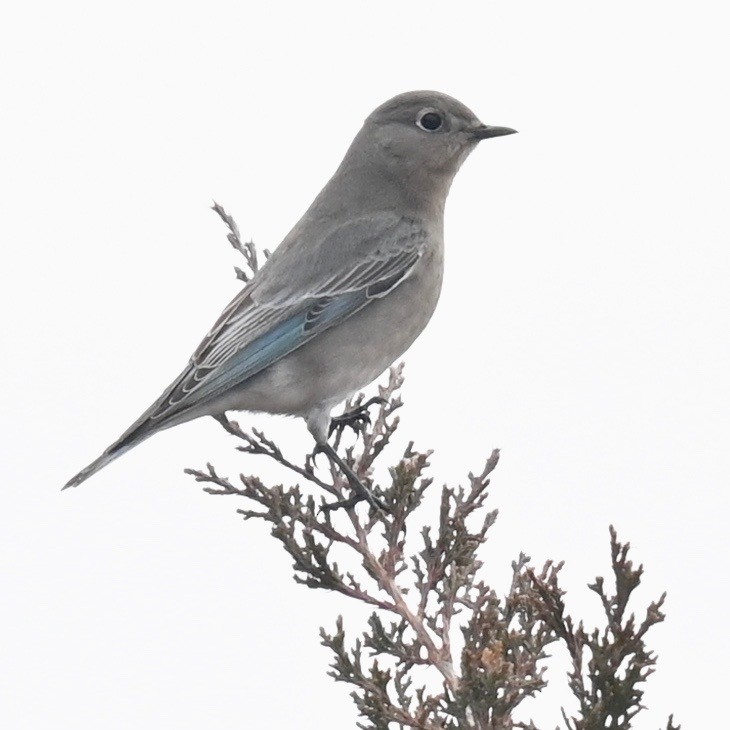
341,503
350,502
312,458
356,419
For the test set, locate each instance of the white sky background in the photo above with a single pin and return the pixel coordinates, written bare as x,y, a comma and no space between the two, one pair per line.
583,329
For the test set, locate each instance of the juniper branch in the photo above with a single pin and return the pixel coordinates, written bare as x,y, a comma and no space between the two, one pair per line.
426,588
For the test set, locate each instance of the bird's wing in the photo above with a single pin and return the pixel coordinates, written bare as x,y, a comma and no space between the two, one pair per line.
265,322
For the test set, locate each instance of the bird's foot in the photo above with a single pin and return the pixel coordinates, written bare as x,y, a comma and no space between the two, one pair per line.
311,459
359,496
361,492
341,503
356,419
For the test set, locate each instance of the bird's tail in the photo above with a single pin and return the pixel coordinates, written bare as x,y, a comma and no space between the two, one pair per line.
139,432
106,458
144,427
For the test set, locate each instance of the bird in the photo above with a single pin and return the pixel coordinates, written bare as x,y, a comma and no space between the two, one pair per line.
345,293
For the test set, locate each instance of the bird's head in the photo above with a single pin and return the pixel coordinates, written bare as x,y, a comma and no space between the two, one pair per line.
424,132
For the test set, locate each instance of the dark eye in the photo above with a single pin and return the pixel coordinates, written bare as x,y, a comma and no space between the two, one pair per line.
430,121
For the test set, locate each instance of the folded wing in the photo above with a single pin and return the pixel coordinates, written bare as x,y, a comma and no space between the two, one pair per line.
264,323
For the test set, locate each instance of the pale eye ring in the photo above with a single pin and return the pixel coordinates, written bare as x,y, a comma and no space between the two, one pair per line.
430,120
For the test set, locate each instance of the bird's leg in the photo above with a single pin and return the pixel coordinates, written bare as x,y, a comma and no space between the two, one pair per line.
361,491
318,421
356,419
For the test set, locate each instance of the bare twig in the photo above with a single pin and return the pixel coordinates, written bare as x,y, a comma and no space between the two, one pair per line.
247,249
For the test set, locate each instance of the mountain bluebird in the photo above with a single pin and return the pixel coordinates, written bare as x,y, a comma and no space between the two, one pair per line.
346,292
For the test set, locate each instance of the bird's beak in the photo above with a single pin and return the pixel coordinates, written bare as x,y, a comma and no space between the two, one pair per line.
485,131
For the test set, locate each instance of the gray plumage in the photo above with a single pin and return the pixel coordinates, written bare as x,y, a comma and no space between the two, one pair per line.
347,291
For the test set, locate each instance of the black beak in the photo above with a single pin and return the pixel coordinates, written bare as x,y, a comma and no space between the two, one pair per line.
485,131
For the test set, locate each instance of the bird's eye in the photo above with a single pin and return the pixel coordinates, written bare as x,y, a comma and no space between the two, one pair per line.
430,121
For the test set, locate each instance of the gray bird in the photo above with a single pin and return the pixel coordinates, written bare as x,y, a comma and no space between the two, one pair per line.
346,292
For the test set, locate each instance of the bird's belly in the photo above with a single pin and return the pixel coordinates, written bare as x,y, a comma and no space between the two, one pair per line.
345,358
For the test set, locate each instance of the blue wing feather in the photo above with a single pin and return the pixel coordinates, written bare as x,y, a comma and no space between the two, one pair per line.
282,339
